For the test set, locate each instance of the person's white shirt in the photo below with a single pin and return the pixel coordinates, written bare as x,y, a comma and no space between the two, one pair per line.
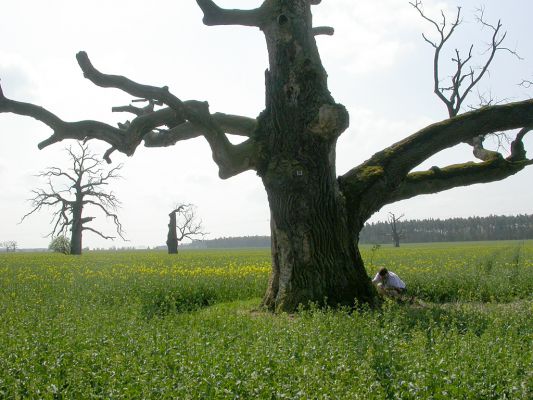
391,280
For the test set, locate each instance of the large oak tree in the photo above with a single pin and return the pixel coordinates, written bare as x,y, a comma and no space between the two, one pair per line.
316,216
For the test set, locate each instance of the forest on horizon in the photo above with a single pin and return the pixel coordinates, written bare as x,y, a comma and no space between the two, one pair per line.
493,227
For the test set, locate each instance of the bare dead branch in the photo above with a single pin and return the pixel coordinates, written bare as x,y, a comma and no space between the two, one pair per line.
88,228
111,215
56,172
459,88
231,159
215,15
62,130
129,108
99,178
108,153
149,108
526,83
465,78
323,30
444,34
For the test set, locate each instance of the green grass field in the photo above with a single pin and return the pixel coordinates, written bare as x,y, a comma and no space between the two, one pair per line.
144,325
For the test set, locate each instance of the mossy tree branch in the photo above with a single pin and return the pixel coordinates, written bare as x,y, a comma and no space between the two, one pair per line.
387,170
438,179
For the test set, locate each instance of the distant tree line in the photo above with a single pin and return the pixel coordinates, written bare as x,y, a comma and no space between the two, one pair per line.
493,227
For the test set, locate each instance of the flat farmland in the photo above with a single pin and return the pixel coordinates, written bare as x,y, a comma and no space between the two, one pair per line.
131,325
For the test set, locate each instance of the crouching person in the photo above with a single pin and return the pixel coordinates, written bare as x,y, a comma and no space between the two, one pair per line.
388,283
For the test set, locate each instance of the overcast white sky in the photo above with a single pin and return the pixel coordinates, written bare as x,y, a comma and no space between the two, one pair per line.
378,64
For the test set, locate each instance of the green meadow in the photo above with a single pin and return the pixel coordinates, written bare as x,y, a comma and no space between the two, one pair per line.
147,325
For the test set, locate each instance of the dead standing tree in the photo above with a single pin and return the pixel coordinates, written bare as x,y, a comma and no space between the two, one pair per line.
85,183
182,219
315,215
9,245
396,232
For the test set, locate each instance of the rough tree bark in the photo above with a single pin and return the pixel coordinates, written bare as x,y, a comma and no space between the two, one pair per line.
314,253
316,217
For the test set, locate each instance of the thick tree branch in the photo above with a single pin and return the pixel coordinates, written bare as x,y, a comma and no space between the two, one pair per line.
518,151
231,159
164,138
215,15
235,124
403,156
438,179
64,130
232,124
86,219
385,171
323,30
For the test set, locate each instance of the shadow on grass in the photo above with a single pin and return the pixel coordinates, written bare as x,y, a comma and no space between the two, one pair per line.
162,303
415,316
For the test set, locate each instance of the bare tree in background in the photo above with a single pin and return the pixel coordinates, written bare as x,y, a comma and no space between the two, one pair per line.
82,185
396,231
9,245
183,219
315,215
468,72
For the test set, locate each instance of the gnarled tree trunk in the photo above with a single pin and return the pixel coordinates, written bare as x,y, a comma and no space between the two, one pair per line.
314,253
